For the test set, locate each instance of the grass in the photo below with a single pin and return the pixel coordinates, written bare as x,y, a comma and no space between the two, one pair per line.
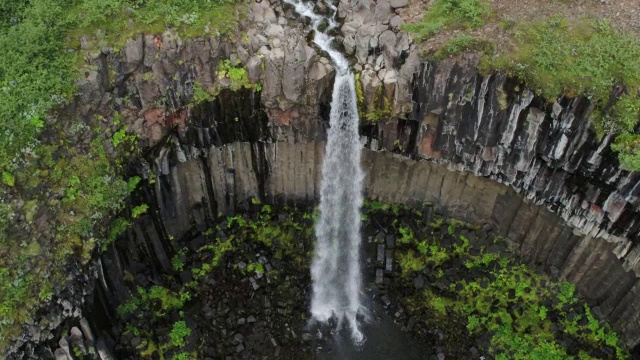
557,57
462,43
450,14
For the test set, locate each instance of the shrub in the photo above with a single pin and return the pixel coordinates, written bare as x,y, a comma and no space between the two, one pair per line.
628,148
450,14
179,331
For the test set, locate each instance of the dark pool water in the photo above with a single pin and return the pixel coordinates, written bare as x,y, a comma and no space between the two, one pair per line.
384,341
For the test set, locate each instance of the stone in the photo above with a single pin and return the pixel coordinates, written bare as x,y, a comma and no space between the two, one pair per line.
411,323
419,282
390,241
86,331
379,276
382,10
60,354
293,82
238,338
274,67
75,335
396,21
103,351
386,300
387,41
134,52
380,253
388,263
274,31
398,3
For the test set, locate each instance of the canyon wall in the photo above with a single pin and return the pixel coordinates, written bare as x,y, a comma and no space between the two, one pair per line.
480,147
493,151
226,178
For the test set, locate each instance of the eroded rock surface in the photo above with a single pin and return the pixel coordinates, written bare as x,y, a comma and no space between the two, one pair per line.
489,149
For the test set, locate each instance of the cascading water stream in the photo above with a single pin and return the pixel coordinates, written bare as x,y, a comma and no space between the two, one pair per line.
335,271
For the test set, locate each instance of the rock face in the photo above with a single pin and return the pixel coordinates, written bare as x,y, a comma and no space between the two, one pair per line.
492,127
286,172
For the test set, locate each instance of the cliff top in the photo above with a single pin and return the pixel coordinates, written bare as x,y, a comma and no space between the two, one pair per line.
557,48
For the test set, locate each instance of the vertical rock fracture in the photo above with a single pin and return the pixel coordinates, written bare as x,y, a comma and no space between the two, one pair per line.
335,270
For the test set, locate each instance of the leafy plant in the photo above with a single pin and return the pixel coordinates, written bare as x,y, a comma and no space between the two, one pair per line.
139,210
237,75
178,333
450,14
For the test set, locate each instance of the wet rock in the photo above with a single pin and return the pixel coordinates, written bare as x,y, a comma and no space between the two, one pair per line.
386,300
86,331
379,276
388,263
60,354
380,253
390,241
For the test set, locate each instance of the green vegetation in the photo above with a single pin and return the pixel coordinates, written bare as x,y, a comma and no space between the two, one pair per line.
450,14
460,44
628,148
558,57
64,170
281,233
555,57
527,314
237,76
179,331
379,109
509,303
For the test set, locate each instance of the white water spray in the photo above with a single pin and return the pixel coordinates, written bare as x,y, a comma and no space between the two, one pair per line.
335,271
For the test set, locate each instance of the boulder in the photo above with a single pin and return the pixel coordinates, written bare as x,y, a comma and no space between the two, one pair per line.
398,3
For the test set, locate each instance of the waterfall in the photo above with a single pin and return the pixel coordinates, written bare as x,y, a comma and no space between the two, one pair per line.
335,271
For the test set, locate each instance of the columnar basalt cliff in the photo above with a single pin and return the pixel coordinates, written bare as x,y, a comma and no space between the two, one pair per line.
480,147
